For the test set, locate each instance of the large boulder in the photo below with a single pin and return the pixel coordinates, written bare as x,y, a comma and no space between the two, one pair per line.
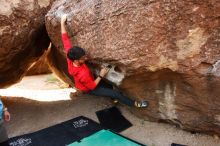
23,37
166,52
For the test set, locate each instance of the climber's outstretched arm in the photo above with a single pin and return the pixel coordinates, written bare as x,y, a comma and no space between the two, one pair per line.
66,41
63,21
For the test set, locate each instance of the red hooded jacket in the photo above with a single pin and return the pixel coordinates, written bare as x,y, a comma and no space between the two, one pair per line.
83,77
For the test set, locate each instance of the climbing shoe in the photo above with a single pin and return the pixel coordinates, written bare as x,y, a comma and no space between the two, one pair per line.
115,101
141,104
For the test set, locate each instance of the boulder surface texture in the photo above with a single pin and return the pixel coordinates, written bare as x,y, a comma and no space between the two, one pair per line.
23,37
166,52
39,67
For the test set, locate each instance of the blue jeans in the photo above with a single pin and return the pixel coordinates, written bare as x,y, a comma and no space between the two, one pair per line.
106,90
3,132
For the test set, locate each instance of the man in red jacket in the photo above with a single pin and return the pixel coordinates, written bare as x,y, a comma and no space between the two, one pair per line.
84,80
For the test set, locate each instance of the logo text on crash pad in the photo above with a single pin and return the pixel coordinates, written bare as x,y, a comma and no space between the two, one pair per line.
80,123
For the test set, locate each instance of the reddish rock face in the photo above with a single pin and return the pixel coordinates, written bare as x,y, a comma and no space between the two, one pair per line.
166,52
39,67
23,37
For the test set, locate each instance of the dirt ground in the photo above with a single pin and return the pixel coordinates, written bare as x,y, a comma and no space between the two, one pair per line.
41,101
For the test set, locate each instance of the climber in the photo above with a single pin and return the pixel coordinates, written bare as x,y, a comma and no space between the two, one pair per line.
4,116
84,80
